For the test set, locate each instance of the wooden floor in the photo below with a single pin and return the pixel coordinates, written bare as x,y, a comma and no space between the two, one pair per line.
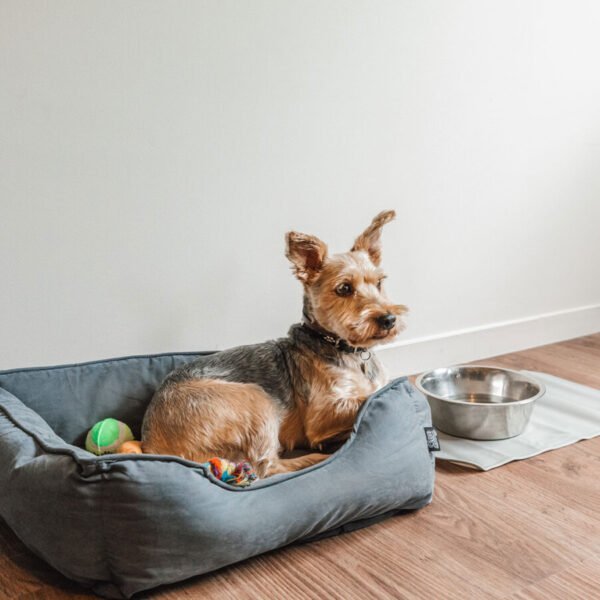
528,530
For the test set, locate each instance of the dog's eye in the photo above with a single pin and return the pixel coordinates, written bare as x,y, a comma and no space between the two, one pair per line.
344,289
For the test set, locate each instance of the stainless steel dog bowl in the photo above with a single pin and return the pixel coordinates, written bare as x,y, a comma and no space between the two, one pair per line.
480,403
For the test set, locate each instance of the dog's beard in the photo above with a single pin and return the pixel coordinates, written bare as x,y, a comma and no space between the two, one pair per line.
368,332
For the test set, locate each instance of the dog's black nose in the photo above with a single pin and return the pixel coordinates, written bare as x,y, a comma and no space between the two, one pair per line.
386,321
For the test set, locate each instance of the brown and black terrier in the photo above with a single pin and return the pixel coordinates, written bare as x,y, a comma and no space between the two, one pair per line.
302,391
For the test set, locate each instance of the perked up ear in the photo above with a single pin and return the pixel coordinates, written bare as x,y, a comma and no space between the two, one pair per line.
306,253
370,239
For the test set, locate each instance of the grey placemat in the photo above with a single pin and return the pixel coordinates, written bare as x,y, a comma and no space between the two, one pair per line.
567,413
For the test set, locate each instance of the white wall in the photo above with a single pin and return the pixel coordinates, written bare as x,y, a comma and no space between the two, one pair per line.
154,153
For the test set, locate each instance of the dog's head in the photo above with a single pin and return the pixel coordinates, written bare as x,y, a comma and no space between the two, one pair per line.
343,293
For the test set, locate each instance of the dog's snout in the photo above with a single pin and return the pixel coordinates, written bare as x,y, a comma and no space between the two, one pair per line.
386,321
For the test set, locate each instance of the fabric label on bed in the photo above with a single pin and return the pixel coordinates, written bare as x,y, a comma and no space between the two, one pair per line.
432,439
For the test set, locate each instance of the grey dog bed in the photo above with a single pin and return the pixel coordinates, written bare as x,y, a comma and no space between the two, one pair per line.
120,524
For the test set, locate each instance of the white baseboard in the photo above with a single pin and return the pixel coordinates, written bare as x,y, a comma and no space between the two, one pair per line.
410,356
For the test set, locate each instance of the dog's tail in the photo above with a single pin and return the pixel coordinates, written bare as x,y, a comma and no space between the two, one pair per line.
130,448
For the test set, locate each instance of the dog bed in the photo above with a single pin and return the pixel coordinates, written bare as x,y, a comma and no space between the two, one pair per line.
120,524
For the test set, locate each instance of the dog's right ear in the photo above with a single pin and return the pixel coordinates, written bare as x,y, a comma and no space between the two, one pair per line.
370,239
306,253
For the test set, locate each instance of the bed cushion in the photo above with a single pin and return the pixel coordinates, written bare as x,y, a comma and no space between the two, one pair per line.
120,524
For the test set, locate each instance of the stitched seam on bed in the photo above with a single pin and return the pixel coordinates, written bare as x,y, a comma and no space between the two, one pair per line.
106,360
105,552
424,423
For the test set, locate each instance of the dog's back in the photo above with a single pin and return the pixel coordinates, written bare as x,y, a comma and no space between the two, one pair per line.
262,364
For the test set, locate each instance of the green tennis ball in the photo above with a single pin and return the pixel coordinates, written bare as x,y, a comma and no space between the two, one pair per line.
106,436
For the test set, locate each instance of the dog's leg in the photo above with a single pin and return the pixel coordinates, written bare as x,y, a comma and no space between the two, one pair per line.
285,465
331,419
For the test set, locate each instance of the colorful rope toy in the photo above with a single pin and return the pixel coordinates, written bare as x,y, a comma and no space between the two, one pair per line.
239,474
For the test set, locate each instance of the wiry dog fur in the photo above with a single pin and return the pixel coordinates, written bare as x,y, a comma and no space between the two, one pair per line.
301,391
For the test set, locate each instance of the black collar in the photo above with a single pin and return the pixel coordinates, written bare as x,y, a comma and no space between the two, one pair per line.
342,345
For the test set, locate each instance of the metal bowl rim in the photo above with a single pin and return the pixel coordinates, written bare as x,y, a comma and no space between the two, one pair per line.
541,392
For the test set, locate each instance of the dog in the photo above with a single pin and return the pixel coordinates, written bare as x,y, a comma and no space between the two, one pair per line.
302,391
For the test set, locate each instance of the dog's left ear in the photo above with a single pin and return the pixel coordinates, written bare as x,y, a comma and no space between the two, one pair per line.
306,253
370,239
